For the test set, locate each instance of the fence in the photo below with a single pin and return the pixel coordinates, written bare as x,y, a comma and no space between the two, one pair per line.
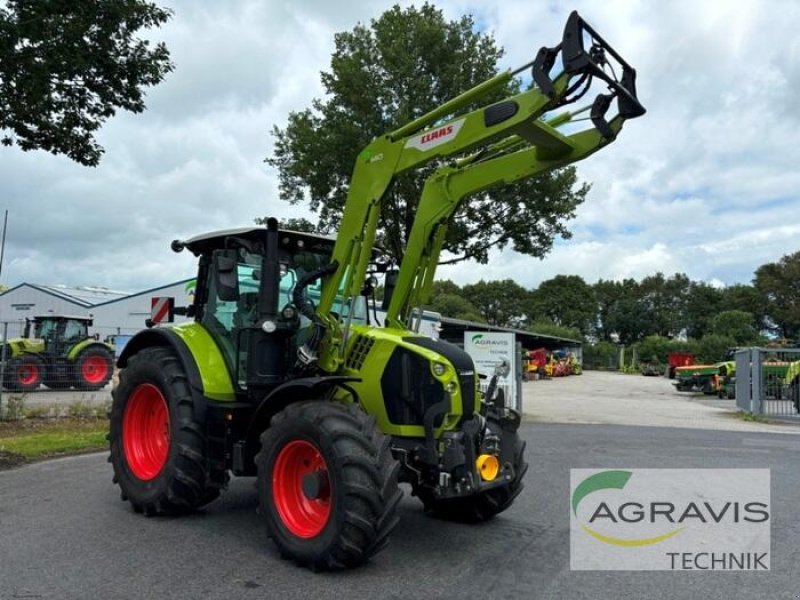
52,364
761,385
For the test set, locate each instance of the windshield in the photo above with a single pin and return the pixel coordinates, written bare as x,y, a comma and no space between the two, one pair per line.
235,313
45,329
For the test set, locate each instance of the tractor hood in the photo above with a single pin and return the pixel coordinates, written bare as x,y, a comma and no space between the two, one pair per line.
19,345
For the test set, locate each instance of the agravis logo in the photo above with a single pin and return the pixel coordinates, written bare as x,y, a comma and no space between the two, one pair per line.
671,519
604,481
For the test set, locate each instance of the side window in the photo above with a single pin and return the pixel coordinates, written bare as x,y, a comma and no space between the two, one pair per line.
75,330
227,320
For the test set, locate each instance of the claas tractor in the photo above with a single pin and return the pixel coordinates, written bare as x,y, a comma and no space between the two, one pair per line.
284,373
57,351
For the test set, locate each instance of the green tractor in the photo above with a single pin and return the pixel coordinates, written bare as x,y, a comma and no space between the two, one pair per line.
57,351
284,373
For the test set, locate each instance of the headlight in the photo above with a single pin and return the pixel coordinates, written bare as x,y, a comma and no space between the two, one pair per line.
439,369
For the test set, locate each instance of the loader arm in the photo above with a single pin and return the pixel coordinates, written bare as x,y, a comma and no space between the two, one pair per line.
505,129
449,185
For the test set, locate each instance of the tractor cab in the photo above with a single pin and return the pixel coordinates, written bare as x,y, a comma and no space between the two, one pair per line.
58,332
245,299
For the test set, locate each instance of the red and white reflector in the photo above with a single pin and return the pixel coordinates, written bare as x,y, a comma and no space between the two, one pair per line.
162,309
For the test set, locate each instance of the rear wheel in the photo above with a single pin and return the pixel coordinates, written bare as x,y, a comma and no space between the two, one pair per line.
94,366
327,485
158,446
24,373
485,505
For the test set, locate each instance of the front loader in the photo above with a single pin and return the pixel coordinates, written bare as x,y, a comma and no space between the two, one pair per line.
282,373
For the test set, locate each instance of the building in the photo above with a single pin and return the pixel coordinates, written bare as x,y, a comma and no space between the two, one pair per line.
114,312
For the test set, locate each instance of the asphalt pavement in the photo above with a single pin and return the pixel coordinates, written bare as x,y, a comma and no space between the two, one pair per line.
64,533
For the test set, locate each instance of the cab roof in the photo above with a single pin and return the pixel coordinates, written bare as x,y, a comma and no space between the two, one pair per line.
206,242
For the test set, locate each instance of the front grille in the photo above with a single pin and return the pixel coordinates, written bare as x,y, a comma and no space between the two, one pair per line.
358,352
409,388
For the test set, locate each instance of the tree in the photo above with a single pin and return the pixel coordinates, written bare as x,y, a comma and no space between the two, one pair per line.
748,299
293,224
779,285
448,299
546,327
400,66
620,314
566,300
66,67
455,307
663,303
735,324
702,303
500,302
713,348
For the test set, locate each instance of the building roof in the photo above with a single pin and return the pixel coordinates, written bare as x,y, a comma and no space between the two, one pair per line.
458,326
84,296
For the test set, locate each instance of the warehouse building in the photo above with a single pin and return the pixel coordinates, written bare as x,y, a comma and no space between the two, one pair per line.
115,313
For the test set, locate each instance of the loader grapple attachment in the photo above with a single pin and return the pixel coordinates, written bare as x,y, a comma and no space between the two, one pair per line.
600,60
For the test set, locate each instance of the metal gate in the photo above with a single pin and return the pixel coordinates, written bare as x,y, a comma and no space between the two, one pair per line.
768,381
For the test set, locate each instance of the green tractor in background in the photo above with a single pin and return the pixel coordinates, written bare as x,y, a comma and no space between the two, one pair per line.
284,373
57,351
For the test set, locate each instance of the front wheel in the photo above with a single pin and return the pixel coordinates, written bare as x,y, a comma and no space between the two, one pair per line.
158,444
24,373
327,484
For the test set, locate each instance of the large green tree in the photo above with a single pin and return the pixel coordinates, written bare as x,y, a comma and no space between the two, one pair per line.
565,300
382,75
735,324
663,304
500,303
779,285
620,314
702,303
67,66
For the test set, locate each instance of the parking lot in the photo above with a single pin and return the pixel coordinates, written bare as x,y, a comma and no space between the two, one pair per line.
64,533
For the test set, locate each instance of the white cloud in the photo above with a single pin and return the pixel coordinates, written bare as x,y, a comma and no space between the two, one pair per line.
705,183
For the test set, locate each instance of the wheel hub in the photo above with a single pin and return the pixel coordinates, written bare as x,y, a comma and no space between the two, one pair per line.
301,489
146,431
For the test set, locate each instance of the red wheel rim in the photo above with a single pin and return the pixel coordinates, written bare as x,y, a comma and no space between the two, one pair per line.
94,369
145,431
28,373
305,517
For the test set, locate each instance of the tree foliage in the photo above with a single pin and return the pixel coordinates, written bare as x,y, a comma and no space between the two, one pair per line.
500,303
779,286
66,67
565,300
735,324
383,75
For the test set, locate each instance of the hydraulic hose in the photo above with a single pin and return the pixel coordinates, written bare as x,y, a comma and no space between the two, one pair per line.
303,304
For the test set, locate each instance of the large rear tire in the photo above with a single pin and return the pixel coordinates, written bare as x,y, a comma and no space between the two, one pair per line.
485,505
158,445
327,485
24,373
94,368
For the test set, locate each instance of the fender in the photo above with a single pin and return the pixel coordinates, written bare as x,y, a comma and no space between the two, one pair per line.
84,344
164,337
304,388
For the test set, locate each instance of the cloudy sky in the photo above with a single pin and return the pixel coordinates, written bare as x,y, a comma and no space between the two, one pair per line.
706,183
